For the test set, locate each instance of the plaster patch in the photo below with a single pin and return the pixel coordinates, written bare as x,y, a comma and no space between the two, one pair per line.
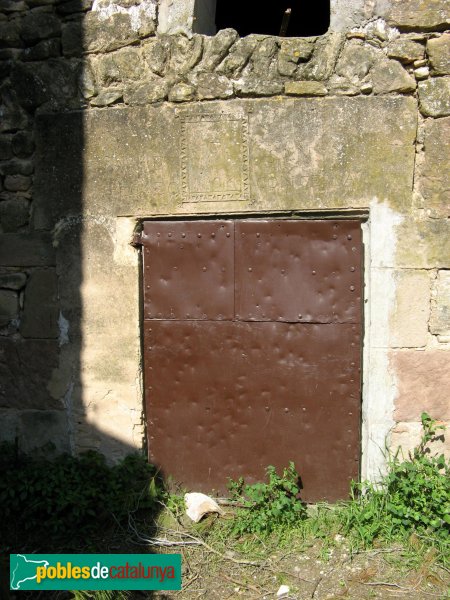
106,8
176,16
382,305
345,14
63,325
124,253
384,223
379,382
378,28
378,408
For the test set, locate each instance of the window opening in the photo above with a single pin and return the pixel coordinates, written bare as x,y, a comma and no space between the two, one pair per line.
291,18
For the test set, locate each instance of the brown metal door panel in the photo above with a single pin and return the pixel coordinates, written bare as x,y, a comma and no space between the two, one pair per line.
307,271
188,270
226,399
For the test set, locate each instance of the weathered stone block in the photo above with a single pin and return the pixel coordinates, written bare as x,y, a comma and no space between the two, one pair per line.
305,88
417,14
12,281
107,97
292,52
340,86
9,35
25,369
434,97
17,183
72,38
17,167
286,68
434,181
35,3
145,93
423,243
185,53
51,81
422,73
440,307
238,56
67,167
5,68
104,35
363,148
129,63
389,76
253,85
23,144
9,306
182,92
29,250
439,53
212,85
296,50
13,6
405,50
262,59
216,48
13,116
40,315
8,425
39,26
407,436
14,214
87,81
74,6
423,380
409,322
323,61
156,53
116,67
43,50
355,61
43,430
6,150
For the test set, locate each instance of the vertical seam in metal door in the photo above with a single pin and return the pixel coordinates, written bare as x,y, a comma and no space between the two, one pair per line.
234,270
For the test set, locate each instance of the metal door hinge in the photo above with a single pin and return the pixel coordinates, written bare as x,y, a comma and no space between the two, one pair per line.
136,240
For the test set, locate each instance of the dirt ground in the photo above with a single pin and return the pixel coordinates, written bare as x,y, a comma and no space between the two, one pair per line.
374,574
220,569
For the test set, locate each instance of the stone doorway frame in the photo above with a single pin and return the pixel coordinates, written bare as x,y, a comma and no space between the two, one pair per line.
378,224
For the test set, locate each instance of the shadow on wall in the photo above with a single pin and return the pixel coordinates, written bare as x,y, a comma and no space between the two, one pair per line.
41,228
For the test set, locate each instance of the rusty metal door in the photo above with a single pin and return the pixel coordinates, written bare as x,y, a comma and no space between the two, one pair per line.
252,350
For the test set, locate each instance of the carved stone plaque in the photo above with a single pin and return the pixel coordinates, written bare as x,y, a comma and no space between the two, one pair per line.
214,158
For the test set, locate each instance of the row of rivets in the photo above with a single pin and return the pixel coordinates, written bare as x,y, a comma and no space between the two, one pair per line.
183,235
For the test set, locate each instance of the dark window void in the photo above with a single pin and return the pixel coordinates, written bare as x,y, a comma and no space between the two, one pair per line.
307,17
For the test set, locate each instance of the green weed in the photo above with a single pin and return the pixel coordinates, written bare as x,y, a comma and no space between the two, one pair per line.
101,595
268,506
72,495
414,496
411,505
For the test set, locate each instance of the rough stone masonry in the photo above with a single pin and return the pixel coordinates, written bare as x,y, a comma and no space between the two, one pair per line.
100,104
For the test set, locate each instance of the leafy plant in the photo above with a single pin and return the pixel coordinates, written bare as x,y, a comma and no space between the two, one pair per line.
268,506
72,495
413,497
101,595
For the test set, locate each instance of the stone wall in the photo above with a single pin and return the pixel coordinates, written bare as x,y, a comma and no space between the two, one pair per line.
356,121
